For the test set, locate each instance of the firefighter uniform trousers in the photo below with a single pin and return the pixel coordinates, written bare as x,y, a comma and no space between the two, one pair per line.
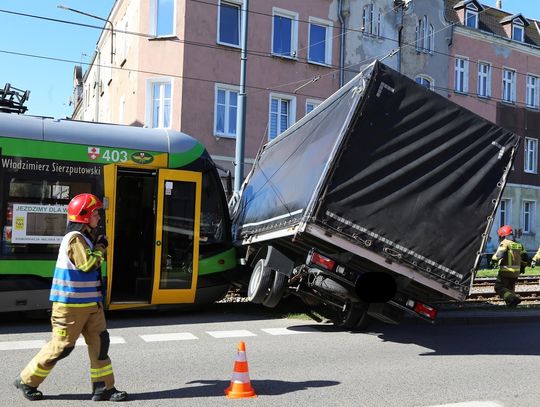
68,322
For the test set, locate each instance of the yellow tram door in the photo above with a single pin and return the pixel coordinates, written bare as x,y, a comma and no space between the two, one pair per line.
176,243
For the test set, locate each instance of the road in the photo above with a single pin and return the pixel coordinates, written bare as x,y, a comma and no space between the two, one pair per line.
186,359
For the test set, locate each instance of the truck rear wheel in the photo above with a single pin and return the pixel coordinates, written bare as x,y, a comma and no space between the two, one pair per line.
355,318
259,283
276,291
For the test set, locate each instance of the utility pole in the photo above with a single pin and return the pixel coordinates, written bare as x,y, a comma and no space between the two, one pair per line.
241,112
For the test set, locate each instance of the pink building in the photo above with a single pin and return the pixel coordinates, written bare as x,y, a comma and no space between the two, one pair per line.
176,64
495,72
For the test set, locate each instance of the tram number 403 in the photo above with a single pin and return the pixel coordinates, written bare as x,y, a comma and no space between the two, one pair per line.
115,155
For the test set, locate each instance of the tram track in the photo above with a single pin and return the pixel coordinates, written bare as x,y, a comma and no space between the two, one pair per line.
483,290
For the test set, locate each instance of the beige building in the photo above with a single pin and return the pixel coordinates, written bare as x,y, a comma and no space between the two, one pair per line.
176,64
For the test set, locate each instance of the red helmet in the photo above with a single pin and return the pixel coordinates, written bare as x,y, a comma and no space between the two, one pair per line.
505,231
81,207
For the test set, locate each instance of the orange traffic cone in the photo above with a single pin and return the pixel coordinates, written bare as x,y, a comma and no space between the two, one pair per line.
240,384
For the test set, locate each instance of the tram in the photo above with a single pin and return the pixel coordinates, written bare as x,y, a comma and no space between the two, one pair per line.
165,211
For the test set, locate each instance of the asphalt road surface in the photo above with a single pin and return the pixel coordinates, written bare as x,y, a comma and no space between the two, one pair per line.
187,359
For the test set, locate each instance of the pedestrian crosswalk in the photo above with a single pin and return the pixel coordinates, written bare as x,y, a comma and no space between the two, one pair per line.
165,337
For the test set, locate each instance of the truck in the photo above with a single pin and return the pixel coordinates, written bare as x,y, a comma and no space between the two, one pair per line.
376,204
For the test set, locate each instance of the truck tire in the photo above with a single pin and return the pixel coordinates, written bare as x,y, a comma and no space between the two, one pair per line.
259,283
276,291
355,318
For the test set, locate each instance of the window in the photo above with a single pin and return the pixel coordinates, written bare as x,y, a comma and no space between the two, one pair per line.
532,96
509,86
226,103
320,41
461,75
424,81
504,212
531,155
517,31
471,17
163,18
229,23
36,203
424,35
284,33
371,20
159,103
311,104
484,80
528,216
282,110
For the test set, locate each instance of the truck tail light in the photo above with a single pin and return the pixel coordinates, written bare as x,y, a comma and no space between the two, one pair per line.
319,260
425,310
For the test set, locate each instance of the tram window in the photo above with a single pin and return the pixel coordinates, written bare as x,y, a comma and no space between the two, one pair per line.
34,220
213,223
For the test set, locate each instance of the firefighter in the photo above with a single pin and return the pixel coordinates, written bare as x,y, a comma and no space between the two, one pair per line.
77,307
511,259
535,258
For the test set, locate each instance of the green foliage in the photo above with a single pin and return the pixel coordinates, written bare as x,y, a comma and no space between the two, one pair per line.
493,272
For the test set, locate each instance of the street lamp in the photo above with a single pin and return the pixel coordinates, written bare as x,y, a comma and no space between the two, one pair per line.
96,17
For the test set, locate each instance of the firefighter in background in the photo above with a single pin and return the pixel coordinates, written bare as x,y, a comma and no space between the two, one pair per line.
535,258
77,308
511,259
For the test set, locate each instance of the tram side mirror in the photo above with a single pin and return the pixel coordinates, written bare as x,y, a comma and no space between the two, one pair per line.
105,202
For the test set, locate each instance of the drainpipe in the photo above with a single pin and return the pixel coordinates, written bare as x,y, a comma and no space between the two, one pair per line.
343,13
97,85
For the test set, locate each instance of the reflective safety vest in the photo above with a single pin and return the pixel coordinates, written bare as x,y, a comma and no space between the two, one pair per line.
71,285
512,258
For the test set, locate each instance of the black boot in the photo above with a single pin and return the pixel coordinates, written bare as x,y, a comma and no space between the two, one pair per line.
31,393
513,303
100,393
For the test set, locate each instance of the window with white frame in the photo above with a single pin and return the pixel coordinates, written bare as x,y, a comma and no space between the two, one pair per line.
531,155
420,35
163,17
229,22
371,20
504,212
461,75
311,104
225,110
284,33
532,98
508,86
159,101
471,16
528,216
282,112
424,35
484,79
424,81
320,41
518,31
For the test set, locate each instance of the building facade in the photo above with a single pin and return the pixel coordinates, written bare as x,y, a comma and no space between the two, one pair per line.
495,72
176,64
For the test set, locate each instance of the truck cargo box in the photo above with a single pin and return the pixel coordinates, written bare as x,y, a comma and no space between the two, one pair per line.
388,180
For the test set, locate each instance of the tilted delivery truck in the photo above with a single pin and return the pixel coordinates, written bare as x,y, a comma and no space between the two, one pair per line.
375,204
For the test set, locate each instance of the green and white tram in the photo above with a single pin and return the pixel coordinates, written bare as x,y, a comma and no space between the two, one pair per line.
165,210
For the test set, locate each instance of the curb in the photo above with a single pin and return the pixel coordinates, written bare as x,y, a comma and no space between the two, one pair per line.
478,316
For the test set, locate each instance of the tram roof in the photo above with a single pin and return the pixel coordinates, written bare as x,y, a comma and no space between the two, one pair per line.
98,134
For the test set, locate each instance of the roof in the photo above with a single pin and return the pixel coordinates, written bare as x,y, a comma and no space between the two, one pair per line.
98,134
490,21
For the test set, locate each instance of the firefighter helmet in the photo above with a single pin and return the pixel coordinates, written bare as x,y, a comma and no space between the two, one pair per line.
80,208
505,231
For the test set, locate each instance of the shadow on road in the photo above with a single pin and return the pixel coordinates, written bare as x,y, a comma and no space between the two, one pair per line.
485,339
215,388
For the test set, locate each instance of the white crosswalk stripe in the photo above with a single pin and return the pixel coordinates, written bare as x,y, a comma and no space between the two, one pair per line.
179,336
164,337
231,334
